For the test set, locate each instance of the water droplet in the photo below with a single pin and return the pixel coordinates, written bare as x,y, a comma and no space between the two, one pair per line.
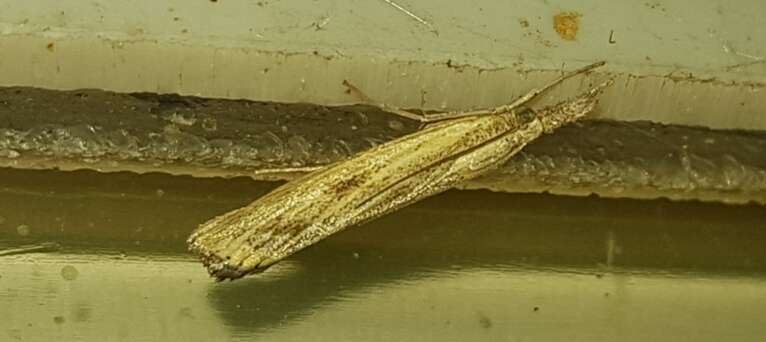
210,124
274,146
160,192
68,272
122,143
373,141
363,120
78,140
299,150
180,145
180,119
221,143
341,148
23,230
171,129
11,154
395,125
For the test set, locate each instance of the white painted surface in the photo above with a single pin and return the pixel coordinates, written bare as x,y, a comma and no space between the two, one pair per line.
686,62
142,300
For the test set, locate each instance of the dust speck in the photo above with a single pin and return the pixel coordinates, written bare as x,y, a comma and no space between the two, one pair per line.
83,313
59,319
209,124
485,321
186,312
68,272
656,5
51,47
567,24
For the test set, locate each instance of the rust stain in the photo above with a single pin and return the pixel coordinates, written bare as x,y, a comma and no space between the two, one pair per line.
567,24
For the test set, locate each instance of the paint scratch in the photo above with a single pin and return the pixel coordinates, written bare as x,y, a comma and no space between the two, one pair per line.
412,15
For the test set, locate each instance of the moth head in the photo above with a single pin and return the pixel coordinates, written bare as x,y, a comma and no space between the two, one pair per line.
571,110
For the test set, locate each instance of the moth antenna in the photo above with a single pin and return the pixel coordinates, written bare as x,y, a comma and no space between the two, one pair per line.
535,92
518,102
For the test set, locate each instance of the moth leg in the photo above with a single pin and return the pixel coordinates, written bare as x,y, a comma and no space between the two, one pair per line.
356,92
434,117
285,170
422,118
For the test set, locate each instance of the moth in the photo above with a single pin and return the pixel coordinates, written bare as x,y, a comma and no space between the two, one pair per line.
451,148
